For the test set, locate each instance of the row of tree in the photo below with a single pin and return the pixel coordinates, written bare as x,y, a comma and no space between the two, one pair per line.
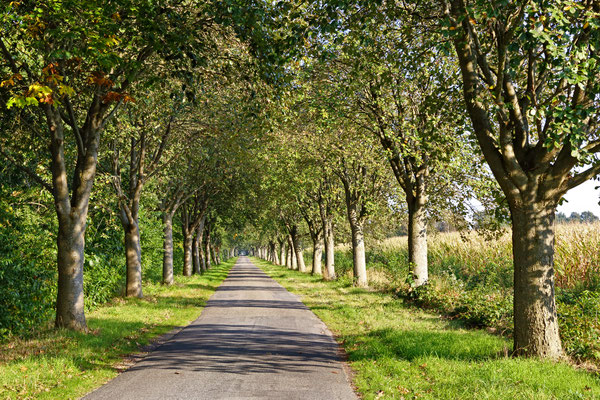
155,101
426,87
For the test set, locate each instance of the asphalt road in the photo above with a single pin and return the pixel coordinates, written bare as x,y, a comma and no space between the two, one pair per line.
254,340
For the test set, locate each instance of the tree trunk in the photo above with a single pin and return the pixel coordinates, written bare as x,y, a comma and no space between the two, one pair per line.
282,254
213,255
288,258
187,253
536,324
417,241
300,265
72,210
207,255
275,253
317,255
202,257
292,254
207,245
168,249
329,272
69,301
196,254
199,262
133,257
358,248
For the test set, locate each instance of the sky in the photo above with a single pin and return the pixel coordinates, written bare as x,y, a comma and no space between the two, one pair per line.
584,197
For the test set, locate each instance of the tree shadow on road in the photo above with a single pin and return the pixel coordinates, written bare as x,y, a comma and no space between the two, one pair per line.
244,349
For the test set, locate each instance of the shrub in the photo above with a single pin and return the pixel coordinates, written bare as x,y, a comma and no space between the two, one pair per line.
579,322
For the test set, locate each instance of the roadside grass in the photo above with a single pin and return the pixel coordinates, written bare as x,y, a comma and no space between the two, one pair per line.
67,365
400,352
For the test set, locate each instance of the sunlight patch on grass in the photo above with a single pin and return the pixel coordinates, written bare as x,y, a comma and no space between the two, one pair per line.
400,352
58,364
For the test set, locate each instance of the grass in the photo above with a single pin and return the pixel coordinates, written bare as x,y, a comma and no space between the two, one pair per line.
400,352
471,278
66,365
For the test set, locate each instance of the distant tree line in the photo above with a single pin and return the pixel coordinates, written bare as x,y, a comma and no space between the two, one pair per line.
584,217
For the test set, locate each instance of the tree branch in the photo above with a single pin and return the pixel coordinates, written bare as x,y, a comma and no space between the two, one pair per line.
583,176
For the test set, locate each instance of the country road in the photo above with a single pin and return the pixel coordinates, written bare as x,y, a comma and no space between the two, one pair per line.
254,340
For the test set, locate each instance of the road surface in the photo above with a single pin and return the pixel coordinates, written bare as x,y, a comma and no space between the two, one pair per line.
254,340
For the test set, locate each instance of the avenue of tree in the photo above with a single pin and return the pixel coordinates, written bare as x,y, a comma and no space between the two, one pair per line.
285,126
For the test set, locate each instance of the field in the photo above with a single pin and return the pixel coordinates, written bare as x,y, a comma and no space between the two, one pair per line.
471,279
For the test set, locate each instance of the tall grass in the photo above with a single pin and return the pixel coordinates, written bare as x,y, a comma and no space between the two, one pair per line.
479,259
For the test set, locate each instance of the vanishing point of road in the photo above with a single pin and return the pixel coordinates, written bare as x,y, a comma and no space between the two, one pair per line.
254,340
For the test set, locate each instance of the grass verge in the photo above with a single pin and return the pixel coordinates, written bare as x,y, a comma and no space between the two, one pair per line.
399,352
66,365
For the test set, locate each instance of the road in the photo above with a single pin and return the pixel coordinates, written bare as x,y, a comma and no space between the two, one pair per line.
254,340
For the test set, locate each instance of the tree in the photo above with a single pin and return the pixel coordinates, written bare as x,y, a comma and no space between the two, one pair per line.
530,84
363,183
148,135
73,64
174,198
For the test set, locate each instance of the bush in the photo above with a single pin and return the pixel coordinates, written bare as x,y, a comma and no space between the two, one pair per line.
579,322
26,298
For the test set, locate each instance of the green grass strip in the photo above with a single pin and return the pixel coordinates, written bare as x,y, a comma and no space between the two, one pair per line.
399,352
67,365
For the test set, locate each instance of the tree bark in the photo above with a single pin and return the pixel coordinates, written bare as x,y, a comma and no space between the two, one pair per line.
288,258
168,249
133,257
207,247
188,240
274,253
281,252
69,301
201,257
329,272
217,251
301,266
213,255
536,323
358,248
317,255
417,241
196,255
292,254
